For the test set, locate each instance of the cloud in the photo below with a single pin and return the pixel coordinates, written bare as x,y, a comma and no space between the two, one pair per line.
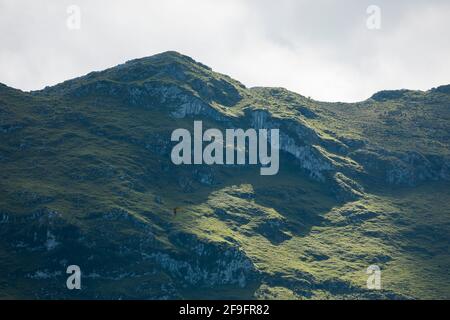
321,49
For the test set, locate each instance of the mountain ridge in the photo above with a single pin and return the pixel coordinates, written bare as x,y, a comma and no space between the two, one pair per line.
87,179
181,59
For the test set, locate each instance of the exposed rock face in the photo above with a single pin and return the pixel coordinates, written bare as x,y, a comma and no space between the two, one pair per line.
208,264
195,107
299,140
346,189
417,168
408,169
137,83
309,158
99,187
201,263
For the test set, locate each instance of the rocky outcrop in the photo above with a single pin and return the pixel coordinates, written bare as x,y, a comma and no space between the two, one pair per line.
296,140
408,169
207,263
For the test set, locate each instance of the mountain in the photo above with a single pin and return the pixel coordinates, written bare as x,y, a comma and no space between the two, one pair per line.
87,179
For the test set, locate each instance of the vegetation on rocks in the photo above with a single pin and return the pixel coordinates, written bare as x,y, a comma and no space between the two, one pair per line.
86,179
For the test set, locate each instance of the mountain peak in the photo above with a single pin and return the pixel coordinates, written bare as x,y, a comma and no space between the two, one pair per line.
167,69
90,163
384,95
167,57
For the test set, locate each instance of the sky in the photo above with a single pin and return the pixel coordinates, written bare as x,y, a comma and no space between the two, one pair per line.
327,50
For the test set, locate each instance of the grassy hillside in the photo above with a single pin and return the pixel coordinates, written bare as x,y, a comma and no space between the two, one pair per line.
86,179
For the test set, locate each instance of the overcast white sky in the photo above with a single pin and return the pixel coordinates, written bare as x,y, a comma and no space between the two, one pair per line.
318,48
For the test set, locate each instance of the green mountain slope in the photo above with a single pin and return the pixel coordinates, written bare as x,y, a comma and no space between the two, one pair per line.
86,179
